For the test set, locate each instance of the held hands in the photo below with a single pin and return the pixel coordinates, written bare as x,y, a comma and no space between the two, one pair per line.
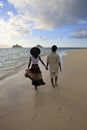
46,68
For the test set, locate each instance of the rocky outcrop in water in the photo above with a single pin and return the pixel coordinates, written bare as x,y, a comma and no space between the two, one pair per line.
16,46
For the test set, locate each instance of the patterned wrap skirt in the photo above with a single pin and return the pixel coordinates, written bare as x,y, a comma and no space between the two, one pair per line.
35,75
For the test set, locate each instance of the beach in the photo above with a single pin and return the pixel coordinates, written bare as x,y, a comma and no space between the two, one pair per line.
61,108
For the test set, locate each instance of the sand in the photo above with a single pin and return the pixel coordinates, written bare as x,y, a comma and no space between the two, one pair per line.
61,108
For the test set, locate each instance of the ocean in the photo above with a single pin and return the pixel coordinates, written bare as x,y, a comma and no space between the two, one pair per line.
12,60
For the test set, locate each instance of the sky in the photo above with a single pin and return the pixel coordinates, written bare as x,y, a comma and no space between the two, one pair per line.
43,22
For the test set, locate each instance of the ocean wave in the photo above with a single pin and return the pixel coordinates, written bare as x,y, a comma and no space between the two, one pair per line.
9,71
13,60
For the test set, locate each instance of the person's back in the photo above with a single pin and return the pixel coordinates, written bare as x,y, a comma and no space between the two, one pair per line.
33,71
34,60
53,60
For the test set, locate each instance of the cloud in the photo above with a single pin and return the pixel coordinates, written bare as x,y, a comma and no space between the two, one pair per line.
49,14
15,26
80,34
1,4
42,14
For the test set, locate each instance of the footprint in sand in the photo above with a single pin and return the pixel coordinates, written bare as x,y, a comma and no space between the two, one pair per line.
59,108
34,116
71,121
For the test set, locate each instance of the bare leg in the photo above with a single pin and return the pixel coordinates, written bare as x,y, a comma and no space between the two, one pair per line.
35,87
56,80
52,82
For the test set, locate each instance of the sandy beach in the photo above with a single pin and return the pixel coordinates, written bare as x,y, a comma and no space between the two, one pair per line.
61,108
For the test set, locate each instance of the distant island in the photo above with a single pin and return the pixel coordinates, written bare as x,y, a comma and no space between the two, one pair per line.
16,46
39,46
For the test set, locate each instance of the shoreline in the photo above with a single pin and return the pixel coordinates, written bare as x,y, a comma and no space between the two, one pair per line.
12,71
63,107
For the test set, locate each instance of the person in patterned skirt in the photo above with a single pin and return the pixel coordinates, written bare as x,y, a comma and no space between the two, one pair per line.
33,71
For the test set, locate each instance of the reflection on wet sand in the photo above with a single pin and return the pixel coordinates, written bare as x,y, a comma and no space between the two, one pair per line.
38,104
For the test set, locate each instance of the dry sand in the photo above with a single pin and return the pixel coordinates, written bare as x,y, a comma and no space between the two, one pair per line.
61,108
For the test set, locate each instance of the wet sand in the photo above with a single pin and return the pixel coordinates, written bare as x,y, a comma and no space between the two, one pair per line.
61,108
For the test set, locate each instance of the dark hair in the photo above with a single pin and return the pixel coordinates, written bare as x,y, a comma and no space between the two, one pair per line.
54,48
35,52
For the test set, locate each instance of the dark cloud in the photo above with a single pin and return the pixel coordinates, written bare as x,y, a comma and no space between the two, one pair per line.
49,14
78,9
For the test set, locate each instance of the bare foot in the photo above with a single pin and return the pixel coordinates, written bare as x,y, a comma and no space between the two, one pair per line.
56,84
35,87
53,85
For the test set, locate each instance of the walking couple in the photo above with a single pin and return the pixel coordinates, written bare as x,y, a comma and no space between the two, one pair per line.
34,72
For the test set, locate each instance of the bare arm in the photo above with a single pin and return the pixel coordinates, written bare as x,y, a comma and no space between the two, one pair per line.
29,63
42,62
60,66
47,64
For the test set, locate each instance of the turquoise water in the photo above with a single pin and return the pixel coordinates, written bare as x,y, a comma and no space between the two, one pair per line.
13,60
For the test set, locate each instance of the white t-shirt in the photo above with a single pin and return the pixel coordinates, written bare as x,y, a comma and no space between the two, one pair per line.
34,60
